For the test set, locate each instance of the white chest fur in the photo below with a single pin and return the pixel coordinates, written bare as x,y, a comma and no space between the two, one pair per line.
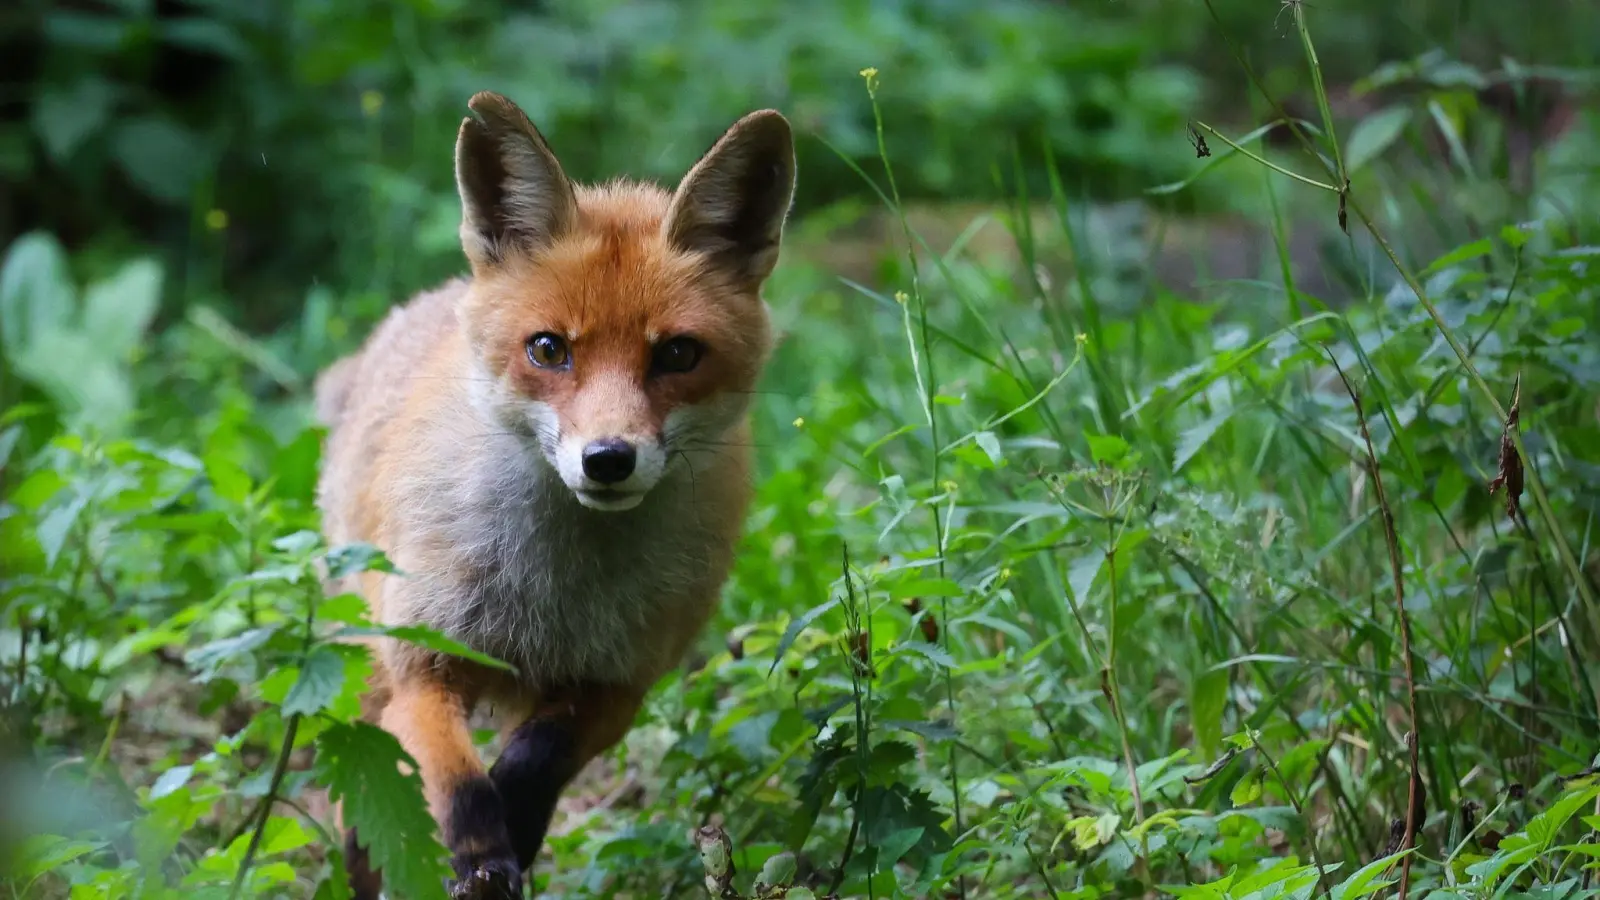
515,567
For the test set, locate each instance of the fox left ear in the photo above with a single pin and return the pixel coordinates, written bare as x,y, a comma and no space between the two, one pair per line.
732,205
514,195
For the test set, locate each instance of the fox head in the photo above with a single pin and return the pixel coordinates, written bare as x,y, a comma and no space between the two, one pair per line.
620,328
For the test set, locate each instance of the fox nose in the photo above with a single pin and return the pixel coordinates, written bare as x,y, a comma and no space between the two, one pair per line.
609,460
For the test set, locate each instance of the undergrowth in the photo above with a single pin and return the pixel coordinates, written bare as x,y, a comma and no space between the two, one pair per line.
1057,583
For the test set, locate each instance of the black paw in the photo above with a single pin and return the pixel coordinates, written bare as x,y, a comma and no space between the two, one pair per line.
486,879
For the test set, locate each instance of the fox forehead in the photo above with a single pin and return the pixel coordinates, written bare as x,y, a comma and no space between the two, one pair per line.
613,285
616,275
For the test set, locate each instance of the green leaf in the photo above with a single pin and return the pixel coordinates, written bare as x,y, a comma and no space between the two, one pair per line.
348,609
88,31
931,652
1082,572
933,731
64,117
160,157
1247,790
778,870
117,311
53,531
1544,828
895,846
283,834
170,780
1373,135
926,587
794,629
208,658
1107,449
299,543
8,443
360,764
351,559
213,37
426,637
1208,703
47,852
1195,437
1364,881
36,292
990,446
321,679
229,479
1464,253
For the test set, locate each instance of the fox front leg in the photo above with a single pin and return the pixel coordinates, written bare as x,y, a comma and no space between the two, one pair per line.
546,751
430,721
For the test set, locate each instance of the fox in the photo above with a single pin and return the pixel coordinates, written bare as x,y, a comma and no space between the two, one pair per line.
553,450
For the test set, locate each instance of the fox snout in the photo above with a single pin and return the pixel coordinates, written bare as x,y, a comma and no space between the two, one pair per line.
611,472
609,460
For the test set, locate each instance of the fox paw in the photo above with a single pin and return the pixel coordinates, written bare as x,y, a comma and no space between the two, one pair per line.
487,879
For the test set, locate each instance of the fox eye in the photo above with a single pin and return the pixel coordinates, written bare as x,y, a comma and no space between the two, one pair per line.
680,354
548,351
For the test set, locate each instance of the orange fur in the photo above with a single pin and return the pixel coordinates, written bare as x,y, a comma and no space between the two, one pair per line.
466,461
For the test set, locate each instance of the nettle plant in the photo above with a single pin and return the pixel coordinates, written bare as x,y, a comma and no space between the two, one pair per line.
146,586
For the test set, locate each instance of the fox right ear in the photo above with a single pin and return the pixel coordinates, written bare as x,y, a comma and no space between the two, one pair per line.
732,205
514,195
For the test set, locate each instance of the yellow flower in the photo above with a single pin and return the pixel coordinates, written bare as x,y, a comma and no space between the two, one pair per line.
800,422
900,297
371,102
216,220
871,76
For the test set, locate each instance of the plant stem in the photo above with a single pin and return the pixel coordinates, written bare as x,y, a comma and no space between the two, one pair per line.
265,808
1271,165
926,383
1392,540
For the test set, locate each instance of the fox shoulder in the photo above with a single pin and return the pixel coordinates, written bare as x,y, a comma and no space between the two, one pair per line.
331,391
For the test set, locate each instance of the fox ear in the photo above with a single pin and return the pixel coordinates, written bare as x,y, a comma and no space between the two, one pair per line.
732,204
514,195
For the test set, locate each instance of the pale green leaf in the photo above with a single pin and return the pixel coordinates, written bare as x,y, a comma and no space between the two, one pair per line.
321,679
65,117
43,853
1373,135
1208,703
36,291
117,310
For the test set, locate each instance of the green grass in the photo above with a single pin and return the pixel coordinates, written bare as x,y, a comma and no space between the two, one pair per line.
1059,581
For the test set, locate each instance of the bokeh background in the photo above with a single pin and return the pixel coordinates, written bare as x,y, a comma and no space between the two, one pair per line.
1067,573
265,149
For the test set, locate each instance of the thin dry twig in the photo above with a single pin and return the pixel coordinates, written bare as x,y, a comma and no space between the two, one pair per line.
1414,793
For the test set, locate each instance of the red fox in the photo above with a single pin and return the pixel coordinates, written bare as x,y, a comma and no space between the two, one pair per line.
554,454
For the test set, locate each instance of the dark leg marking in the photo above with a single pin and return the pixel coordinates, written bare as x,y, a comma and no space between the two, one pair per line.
535,767
365,882
481,855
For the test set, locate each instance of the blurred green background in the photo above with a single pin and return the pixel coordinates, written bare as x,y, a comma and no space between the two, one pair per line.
264,148
1107,511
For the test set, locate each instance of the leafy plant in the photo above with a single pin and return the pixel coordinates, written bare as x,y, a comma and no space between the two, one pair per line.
76,347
